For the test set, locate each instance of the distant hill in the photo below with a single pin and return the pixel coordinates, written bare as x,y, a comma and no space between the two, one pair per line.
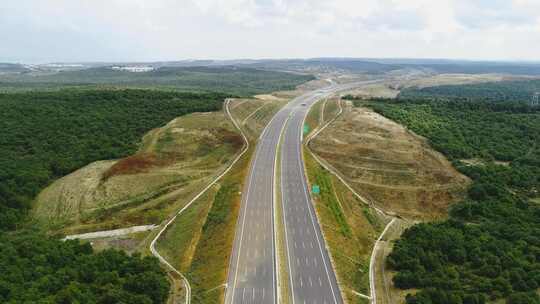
233,80
12,68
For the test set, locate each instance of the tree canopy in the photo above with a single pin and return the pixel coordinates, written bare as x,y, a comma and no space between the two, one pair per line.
46,135
489,248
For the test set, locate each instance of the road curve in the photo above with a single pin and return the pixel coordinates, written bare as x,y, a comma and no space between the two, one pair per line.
252,276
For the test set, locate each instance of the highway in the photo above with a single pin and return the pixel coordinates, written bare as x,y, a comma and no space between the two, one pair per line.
253,276
312,278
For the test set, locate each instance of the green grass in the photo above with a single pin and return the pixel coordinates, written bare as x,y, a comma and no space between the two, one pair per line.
313,117
331,109
208,269
176,243
349,231
324,180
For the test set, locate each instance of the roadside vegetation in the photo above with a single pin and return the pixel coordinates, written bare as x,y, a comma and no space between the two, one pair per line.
350,229
227,79
488,249
253,114
314,116
200,241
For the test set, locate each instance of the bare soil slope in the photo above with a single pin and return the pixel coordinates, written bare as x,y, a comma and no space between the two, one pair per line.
172,160
253,114
389,165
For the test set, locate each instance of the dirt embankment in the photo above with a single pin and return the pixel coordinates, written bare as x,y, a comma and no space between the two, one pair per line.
145,187
392,167
253,114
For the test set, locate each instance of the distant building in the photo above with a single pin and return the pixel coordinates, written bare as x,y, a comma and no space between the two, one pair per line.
133,69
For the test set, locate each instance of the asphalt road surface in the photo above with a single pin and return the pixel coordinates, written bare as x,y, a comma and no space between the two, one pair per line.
312,278
253,274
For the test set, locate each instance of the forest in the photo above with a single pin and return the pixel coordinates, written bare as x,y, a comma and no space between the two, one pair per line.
489,247
46,135
37,269
227,79
520,91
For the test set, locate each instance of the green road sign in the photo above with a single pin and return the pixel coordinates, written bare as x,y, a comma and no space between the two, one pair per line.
306,129
315,189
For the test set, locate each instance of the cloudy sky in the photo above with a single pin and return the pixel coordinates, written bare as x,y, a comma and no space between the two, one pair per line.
145,30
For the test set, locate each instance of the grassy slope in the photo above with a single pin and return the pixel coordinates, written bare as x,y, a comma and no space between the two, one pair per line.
188,151
331,109
314,116
209,268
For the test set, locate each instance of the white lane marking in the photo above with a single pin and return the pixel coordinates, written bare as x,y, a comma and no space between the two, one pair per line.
308,201
284,213
243,225
310,282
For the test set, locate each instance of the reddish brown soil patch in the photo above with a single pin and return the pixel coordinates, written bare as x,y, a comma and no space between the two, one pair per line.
137,163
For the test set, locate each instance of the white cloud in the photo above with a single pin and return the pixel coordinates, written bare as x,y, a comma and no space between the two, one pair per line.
73,30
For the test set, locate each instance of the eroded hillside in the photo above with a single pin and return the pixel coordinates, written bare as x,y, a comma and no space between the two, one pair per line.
389,165
171,162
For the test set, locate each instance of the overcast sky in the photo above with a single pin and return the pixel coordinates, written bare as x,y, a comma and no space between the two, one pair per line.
149,30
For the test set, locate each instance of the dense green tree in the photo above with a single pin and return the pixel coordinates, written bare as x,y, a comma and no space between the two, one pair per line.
46,135
39,269
489,248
